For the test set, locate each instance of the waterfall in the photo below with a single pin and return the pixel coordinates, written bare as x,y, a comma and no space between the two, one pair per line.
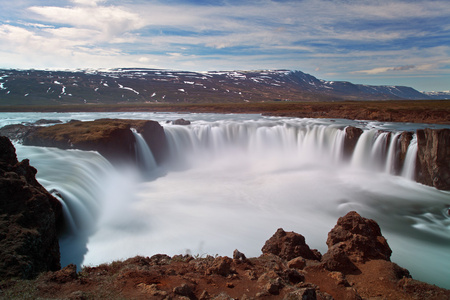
273,141
144,155
392,153
230,182
410,160
72,176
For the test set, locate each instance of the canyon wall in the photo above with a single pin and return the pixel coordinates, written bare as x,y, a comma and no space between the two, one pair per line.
433,158
29,217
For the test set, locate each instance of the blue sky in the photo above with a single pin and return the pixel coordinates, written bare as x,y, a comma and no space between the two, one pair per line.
370,42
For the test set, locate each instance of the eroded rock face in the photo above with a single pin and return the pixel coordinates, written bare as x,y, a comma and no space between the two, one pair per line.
29,217
433,158
289,245
112,138
354,239
352,135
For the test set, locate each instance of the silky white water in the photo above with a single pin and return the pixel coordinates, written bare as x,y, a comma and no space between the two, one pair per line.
232,180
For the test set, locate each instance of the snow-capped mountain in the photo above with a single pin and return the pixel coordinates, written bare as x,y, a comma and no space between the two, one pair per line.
438,95
153,85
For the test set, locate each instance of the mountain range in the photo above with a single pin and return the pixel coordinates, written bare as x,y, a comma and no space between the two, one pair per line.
127,85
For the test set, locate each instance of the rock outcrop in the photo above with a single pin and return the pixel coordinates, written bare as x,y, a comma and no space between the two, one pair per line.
269,276
289,245
433,158
29,217
352,135
354,239
112,138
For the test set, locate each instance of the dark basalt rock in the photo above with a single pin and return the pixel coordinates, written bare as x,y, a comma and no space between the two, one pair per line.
29,217
433,158
181,122
16,131
289,245
352,135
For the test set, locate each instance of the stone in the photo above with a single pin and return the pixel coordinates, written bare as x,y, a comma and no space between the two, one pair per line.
293,276
184,290
16,132
271,282
181,122
289,245
221,266
352,135
297,263
239,255
29,219
433,158
354,239
302,294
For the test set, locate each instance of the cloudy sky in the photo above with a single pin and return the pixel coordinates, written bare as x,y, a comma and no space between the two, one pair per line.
385,42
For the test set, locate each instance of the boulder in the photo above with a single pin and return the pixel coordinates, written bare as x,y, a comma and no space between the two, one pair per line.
16,132
29,218
433,158
289,245
354,239
221,266
181,122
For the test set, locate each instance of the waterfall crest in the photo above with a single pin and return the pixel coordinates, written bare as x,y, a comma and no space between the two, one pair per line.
323,144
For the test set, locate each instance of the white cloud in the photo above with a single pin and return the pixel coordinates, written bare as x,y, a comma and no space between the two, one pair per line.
88,2
327,36
111,21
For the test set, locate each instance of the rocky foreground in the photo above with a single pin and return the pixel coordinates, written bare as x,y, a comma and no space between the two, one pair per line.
356,266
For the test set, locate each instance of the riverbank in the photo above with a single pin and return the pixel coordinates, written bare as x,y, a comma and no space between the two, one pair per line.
426,111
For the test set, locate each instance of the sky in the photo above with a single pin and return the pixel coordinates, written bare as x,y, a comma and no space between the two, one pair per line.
378,42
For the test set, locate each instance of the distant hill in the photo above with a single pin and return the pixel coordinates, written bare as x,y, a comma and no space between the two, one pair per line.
38,87
438,95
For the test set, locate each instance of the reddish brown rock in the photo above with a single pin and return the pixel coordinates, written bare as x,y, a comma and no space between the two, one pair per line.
112,138
289,245
221,266
354,239
29,217
433,158
67,274
268,276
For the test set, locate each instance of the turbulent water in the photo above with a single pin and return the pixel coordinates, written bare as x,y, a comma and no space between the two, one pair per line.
232,180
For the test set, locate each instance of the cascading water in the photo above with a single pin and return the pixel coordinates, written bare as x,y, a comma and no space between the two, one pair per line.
392,154
231,181
410,159
145,158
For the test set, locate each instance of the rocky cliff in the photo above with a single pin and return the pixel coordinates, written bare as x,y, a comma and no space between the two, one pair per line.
433,154
29,217
113,139
356,266
433,158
